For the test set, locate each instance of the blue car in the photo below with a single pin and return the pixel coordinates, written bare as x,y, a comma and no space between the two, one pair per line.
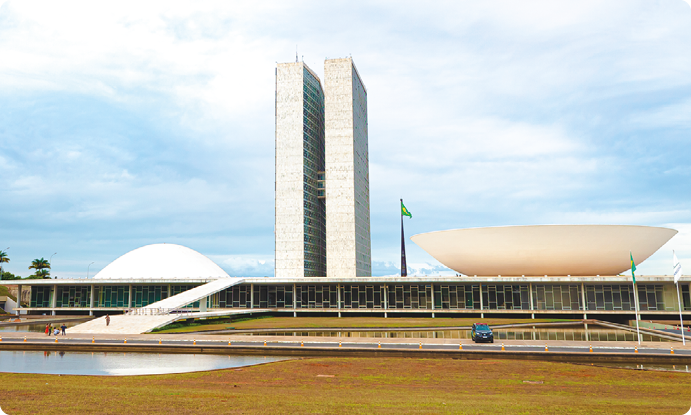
482,333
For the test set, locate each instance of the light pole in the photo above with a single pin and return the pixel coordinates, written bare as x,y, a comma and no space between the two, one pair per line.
87,271
50,261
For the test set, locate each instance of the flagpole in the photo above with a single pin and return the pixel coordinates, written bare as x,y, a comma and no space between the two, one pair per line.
404,266
681,319
681,307
635,299
635,295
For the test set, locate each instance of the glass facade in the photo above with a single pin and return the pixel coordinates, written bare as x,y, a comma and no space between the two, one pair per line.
505,297
111,296
143,295
609,297
41,296
650,297
565,297
316,296
237,297
440,296
409,296
73,296
314,204
557,297
177,289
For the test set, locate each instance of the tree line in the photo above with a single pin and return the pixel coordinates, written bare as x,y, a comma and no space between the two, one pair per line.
41,267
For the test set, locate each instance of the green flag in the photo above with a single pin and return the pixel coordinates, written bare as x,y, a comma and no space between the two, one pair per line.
633,268
404,211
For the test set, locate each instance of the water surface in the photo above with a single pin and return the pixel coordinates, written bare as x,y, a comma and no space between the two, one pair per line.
38,328
121,364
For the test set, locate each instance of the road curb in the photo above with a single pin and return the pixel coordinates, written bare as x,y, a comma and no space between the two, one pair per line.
552,356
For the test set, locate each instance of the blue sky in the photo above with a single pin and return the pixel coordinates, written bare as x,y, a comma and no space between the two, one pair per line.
133,123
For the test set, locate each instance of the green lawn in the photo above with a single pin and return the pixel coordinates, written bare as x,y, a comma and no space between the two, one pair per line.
346,322
359,386
4,291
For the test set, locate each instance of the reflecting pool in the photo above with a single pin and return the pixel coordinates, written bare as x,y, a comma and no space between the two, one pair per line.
121,364
570,334
37,328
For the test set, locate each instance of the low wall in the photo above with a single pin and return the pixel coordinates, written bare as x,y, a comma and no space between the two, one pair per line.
555,356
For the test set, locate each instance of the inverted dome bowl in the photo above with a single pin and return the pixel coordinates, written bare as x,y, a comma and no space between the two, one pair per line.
557,250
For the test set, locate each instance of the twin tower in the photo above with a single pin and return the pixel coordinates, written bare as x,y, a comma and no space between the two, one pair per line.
322,172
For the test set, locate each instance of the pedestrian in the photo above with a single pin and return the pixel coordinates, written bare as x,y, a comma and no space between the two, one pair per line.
63,328
107,320
48,329
56,332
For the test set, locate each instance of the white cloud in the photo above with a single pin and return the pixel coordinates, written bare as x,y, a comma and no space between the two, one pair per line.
672,115
136,121
246,265
660,263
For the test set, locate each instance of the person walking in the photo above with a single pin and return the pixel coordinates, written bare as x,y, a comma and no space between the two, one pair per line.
63,328
107,320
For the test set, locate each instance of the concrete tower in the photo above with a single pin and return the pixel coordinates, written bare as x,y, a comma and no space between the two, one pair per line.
300,229
348,248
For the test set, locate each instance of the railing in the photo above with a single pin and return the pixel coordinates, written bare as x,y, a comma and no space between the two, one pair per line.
157,311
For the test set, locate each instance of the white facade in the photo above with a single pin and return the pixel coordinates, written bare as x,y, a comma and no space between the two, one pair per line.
348,248
322,172
300,223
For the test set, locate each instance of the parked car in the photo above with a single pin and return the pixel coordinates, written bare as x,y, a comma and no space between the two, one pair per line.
482,333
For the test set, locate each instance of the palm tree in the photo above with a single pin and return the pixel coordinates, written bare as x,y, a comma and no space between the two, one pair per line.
40,266
43,273
3,258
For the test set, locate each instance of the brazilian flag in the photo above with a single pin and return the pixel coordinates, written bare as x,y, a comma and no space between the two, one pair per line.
404,211
633,268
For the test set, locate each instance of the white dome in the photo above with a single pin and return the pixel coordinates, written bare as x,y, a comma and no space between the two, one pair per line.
162,262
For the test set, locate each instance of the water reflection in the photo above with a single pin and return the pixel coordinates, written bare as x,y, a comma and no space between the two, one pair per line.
37,328
499,334
120,364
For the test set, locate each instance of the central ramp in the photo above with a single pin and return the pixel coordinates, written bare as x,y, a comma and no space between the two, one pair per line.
123,324
156,314
197,293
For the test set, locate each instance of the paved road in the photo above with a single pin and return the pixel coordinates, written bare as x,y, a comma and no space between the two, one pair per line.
666,349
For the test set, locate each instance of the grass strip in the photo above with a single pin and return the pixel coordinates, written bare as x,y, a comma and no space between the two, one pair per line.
359,386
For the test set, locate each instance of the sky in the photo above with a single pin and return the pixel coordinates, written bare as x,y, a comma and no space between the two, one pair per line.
124,124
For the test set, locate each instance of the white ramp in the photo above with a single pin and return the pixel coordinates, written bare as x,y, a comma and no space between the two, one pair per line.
197,293
155,314
122,324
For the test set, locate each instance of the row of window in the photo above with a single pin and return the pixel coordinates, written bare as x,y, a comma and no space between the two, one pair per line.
462,296
604,297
